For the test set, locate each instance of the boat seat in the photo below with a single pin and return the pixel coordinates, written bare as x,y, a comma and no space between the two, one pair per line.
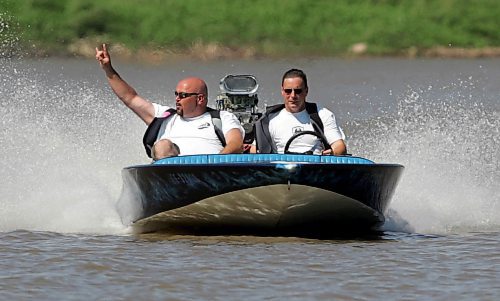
262,158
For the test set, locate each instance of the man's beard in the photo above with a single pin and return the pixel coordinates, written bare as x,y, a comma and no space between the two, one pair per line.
179,111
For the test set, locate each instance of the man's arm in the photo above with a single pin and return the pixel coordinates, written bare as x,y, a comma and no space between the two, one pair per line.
338,148
333,133
234,142
140,106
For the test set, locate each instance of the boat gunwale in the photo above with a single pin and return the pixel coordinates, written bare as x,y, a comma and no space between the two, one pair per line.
269,160
263,164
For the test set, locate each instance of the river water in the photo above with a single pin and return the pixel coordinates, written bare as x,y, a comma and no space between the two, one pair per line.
65,138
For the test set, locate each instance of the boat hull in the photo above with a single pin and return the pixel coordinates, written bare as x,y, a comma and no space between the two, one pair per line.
272,197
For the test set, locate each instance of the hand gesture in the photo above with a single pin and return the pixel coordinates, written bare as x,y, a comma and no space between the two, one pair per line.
103,57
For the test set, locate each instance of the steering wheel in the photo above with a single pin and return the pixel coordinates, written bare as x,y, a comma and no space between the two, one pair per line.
321,138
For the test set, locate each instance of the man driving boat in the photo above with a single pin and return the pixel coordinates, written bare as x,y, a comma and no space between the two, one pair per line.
282,122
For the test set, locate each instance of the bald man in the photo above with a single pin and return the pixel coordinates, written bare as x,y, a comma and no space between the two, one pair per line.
190,130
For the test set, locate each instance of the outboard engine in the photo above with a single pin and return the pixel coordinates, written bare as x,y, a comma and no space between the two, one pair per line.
238,95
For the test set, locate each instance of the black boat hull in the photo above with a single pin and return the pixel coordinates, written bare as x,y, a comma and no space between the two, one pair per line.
271,197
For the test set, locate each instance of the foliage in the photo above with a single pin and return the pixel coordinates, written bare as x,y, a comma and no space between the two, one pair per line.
320,27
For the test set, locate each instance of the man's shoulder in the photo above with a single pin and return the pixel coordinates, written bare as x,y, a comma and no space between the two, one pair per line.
228,116
321,110
226,113
276,110
229,121
283,116
160,109
324,112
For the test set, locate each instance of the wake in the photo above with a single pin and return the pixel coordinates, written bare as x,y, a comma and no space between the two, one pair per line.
448,141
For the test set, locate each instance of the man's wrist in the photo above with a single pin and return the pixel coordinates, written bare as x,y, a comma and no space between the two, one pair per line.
110,72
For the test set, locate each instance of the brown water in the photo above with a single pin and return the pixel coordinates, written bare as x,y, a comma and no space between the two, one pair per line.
65,138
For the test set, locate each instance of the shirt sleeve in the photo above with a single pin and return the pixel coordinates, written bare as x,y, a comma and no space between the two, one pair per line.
159,109
229,122
331,130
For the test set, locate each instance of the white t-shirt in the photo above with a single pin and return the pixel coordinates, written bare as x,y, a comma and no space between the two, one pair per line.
283,125
195,135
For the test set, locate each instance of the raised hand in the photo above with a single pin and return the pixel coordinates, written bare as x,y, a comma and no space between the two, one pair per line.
102,56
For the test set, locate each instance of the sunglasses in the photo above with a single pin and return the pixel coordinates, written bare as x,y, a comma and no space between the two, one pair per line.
297,91
183,95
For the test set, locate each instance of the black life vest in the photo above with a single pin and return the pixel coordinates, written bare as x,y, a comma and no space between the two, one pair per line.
264,142
151,134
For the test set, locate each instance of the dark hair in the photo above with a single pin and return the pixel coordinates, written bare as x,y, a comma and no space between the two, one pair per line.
295,73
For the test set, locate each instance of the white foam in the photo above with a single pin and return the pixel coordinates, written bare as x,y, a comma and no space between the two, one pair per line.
448,143
63,148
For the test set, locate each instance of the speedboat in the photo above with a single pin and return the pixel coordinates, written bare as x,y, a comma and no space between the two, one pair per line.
258,194
265,194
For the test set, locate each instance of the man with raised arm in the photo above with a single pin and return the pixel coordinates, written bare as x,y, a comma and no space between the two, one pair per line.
189,129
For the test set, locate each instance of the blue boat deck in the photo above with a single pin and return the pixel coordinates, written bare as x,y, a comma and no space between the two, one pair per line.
254,158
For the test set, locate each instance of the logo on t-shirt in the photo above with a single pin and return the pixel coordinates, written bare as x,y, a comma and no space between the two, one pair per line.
204,125
297,129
